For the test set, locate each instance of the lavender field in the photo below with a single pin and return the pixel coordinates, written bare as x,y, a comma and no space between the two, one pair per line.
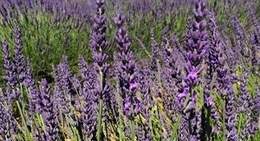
133,70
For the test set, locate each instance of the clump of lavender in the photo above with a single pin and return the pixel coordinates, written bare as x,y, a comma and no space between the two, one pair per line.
9,73
214,114
48,113
147,102
173,64
196,46
155,64
154,56
8,126
172,78
14,69
240,43
212,62
18,58
178,46
98,41
255,44
215,45
166,133
244,102
255,114
126,69
63,86
89,103
99,46
224,87
33,93
183,131
225,90
230,115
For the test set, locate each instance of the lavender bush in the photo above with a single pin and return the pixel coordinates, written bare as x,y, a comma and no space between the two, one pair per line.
195,82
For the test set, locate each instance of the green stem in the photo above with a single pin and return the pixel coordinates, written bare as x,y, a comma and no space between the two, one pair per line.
132,126
26,130
239,124
99,120
224,116
99,127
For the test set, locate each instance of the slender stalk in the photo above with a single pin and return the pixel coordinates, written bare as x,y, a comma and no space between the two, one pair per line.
100,108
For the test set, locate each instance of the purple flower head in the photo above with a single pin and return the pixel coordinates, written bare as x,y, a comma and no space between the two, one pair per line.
99,44
98,34
154,56
64,87
183,132
48,113
19,59
123,42
126,69
196,44
230,115
89,98
8,127
9,72
196,48
245,102
34,95
255,47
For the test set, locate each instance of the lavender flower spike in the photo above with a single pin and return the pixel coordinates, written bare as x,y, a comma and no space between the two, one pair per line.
19,59
9,73
196,46
34,95
48,113
126,67
90,100
7,123
99,44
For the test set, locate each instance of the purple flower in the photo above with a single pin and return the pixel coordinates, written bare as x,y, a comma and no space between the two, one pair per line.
196,44
255,114
48,113
18,55
255,44
230,115
213,63
126,70
216,119
240,36
172,79
196,47
99,44
89,99
147,102
173,62
8,127
33,93
165,127
184,132
245,99
65,92
154,56
9,73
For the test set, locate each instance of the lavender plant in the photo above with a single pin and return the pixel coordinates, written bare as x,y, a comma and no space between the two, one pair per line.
50,128
89,99
99,46
201,83
127,73
196,48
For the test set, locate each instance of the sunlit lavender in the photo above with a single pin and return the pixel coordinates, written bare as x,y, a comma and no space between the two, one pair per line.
98,70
